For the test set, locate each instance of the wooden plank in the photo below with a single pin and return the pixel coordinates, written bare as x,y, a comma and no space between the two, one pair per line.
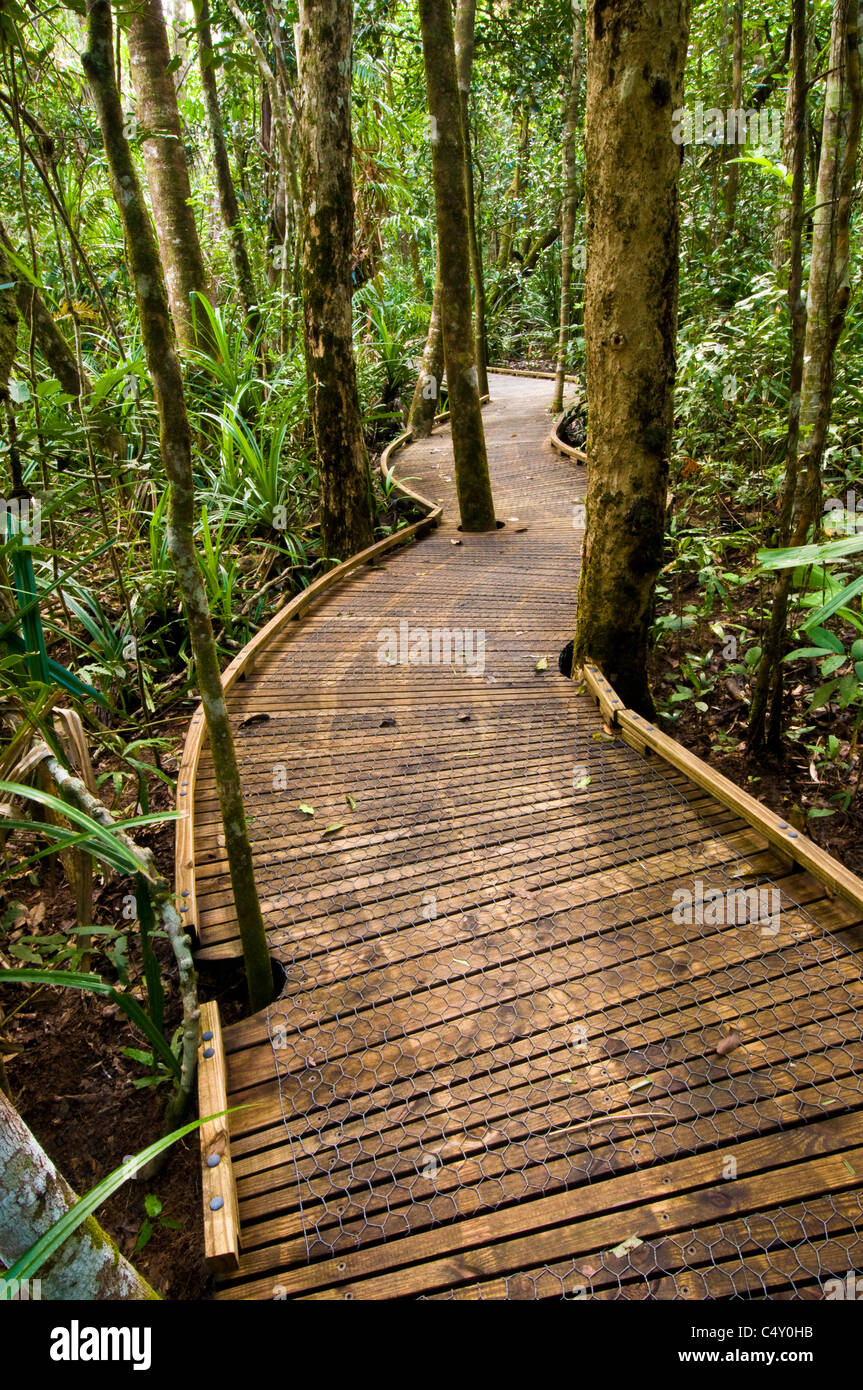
352,1014
295,608
221,1217
359,861
373,1197
458,1071
456,1062
498,1241
599,874
538,375
712,1254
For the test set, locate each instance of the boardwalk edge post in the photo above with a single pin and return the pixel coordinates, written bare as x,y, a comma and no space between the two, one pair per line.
221,1213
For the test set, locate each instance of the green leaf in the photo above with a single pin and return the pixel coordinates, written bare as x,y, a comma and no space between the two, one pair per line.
113,850
832,664
823,694
152,1205
760,161
306,810
838,600
331,829
809,652
137,1055
144,1235
827,639
828,553
19,391
21,951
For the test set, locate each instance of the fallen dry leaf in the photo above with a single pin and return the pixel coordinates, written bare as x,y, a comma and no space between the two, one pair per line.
728,1044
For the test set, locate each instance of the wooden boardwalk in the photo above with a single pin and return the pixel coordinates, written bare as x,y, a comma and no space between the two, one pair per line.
507,1062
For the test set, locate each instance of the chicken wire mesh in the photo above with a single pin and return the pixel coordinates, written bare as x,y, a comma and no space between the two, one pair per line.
511,984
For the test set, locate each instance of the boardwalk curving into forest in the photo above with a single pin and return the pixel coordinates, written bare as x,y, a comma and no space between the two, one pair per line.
516,1054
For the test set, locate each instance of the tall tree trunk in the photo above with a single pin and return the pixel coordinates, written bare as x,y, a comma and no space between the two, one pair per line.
165,163
513,193
427,390
324,53
228,204
473,486
176,450
826,306
275,102
732,152
829,273
465,25
33,1196
570,206
635,59
791,135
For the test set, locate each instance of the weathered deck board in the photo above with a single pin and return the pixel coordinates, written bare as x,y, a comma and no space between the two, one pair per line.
494,1060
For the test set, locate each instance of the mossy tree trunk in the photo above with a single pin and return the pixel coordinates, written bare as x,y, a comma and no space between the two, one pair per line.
465,26
176,449
791,135
33,1196
427,390
165,163
635,60
815,334
829,288
325,36
513,193
570,205
228,204
473,486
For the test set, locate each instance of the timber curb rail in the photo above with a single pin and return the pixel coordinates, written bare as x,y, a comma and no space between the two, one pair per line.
222,1226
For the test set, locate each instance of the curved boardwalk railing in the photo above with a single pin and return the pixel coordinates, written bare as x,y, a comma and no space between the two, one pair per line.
558,1019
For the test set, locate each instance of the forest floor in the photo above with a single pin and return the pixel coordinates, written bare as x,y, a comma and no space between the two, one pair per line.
796,784
71,1082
